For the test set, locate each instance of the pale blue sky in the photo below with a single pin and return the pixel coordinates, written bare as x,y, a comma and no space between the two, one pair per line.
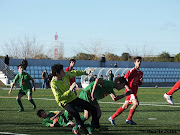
116,24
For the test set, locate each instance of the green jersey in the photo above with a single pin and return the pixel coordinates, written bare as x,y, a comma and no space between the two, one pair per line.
24,81
101,91
63,119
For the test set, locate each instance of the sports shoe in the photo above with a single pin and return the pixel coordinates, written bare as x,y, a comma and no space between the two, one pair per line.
112,121
21,110
34,107
76,132
130,122
168,99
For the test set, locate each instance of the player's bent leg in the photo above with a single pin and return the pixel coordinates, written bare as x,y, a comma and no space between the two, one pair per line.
98,111
86,115
168,99
132,111
118,112
18,99
32,101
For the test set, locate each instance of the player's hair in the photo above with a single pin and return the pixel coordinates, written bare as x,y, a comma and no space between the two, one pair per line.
20,65
72,60
56,68
39,112
137,57
120,79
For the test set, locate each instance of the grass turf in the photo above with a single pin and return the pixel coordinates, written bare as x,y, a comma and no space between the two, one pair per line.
153,115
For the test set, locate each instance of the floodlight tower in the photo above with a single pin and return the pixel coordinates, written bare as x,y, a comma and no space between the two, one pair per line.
56,46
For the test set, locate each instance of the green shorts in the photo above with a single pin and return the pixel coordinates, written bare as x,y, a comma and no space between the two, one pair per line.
27,92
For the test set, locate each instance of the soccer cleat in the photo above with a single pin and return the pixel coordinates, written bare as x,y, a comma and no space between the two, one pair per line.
21,110
130,122
168,99
76,132
34,107
112,121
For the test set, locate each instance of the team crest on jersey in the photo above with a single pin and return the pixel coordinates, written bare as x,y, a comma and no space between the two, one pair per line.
23,83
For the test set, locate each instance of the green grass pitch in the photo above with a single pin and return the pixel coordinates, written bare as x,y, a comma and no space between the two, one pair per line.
153,115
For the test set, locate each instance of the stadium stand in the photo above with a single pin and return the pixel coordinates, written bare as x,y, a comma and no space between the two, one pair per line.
155,73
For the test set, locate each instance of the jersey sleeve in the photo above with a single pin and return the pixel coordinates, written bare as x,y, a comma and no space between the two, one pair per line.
67,69
127,75
75,73
47,122
16,78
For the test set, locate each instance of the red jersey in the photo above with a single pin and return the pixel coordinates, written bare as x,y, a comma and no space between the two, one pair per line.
72,79
133,77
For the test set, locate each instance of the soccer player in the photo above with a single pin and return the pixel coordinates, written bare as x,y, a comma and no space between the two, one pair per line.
168,95
56,118
99,89
134,78
60,86
26,89
72,63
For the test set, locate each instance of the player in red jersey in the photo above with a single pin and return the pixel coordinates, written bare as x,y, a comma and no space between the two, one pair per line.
72,63
168,95
134,78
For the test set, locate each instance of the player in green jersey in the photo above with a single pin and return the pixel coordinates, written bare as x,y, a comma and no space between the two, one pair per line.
99,89
26,89
60,86
56,118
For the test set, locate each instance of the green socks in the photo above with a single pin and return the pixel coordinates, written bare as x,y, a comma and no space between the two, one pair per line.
20,105
32,102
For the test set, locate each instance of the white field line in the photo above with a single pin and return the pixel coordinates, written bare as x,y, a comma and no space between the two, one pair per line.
141,103
7,133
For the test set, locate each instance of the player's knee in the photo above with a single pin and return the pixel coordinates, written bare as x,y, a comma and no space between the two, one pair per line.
125,107
18,98
136,104
86,117
29,98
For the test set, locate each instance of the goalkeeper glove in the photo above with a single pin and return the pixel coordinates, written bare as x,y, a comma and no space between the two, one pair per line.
90,71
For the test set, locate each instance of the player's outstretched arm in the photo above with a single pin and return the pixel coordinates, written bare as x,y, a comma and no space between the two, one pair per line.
89,71
55,119
33,89
58,114
115,98
97,81
11,88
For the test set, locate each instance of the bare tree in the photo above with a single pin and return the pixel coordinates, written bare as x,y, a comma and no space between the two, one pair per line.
27,47
96,48
140,51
